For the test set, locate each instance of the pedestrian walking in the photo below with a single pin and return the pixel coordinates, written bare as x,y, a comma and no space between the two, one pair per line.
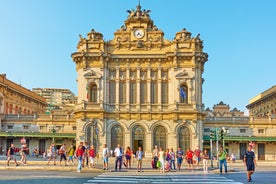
128,155
205,158
70,154
222,159
250,162
172,153
23,153
105,157
161,159
52,153
79,155
197,153
167,160
119,157
92,155
85,157
139,155
179,156
189,157
155,157
11,155
62,153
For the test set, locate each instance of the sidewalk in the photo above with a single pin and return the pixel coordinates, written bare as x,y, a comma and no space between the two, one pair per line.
34,163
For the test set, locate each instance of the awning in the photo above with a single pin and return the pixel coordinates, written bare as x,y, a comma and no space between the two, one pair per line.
37,134
243,138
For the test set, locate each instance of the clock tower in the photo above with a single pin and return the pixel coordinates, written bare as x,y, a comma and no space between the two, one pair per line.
140,89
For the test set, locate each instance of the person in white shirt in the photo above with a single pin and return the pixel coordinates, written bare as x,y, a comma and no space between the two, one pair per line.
119,155
105,157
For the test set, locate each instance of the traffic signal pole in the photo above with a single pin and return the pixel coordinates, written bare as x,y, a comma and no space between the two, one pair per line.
217,138
211,152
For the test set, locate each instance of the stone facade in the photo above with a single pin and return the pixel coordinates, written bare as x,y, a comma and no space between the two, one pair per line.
140,89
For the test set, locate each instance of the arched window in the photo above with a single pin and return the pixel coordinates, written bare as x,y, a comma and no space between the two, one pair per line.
164,87
143,86
154,88
93,93
183,94
184,137
11,108
160,137
138,137
117,136
16,110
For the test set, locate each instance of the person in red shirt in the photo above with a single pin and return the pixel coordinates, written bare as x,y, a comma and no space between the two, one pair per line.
79,154
189,157
197,155
92,154
128,157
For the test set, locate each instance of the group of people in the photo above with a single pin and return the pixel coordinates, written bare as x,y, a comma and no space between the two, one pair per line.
165,160
23,152
84,154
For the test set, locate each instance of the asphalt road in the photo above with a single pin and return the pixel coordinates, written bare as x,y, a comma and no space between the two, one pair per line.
43,177
263,175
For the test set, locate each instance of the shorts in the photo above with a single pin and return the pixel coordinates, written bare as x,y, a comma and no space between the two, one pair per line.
105,159
70,157
250,167
128,157
179,160
139,161
189,160
11,157
92,160
198,159
62,156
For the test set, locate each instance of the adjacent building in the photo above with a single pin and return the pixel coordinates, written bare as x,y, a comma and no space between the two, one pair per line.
140,89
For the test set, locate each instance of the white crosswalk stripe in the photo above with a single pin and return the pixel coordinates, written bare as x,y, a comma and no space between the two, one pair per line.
121,177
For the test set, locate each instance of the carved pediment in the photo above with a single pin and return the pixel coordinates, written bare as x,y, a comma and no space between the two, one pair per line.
183,74
91,74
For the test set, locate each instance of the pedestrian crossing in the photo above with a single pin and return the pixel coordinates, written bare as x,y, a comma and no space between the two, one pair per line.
154,178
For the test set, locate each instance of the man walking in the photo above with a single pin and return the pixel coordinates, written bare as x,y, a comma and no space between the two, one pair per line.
105,157
198,157
155,152
139,155
119,156
250,162
11,155
222,159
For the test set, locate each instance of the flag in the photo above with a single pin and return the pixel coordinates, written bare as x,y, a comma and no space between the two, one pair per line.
182,93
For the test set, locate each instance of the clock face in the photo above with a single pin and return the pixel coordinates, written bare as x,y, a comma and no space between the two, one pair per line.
139,33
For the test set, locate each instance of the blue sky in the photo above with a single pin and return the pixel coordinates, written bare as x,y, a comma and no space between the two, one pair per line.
38,37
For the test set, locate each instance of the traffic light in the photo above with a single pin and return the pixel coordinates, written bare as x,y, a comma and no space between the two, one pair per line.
212,134
221,134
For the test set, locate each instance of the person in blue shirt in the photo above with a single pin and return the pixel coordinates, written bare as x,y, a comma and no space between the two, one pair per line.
250,162
139,155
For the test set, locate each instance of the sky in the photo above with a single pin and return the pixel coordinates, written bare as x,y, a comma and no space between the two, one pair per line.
38,37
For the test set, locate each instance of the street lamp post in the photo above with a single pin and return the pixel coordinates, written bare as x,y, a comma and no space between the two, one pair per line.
54,132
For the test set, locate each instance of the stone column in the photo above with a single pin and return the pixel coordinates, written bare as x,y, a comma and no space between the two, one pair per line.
138,80
117,86
127,87
148,87
159,91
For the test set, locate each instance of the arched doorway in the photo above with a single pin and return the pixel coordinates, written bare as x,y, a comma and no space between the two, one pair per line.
160,137
138,137
184,137
92,135
117,136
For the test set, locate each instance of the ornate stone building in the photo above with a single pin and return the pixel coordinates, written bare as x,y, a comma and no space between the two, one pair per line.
140,89
241,130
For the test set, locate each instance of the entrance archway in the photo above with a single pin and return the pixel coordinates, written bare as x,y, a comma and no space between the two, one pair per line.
117,136
184,138
138,137
160,137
